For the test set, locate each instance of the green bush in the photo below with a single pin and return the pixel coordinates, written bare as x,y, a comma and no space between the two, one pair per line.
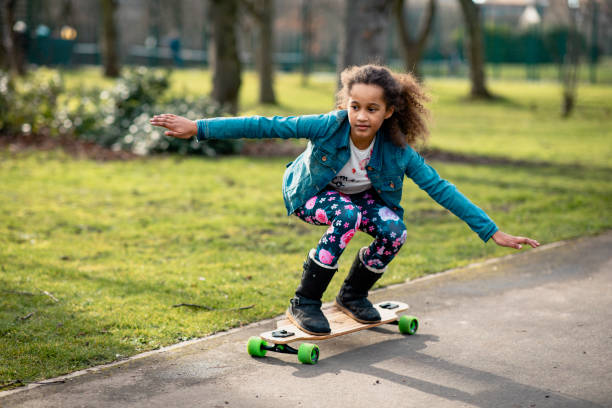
121,120
29,106
118,119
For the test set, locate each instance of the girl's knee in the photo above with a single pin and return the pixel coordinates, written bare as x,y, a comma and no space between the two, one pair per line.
348,218
395,232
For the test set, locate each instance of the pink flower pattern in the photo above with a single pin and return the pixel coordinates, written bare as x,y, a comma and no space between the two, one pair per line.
344,239
311,203
321,216
345,215
326,257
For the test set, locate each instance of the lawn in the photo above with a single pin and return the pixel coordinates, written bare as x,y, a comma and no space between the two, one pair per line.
94,255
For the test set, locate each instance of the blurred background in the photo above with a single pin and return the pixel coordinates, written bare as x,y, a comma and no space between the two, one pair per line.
214,42
306,35
105,223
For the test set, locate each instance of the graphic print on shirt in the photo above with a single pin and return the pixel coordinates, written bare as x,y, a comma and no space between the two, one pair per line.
340,181
354,174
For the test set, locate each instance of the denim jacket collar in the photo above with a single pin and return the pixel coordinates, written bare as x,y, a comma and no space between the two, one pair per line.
375,159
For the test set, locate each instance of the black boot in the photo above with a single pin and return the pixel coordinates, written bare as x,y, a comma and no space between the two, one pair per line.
305,308
353,296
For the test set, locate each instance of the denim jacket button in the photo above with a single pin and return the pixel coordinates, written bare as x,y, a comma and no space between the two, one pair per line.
378,190
391,185
324,158
370,168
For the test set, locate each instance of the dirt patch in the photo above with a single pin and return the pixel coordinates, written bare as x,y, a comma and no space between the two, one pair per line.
261,148
271,148
77,148
452,157
89,150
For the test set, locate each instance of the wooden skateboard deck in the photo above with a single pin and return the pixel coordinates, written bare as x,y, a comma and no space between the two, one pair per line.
340,323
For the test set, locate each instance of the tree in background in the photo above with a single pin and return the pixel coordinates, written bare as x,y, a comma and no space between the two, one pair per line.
475,49
263,13
12,54
224,57
306,27
365,32
569,71
412,49
109,38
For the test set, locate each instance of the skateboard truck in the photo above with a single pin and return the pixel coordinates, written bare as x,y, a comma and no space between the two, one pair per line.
307,353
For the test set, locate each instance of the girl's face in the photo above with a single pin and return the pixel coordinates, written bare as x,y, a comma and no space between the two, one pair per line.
367,111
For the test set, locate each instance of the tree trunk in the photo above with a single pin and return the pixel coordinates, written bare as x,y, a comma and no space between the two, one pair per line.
475,49
413,49
109,42
14,54
262,12
306,40
365,32
265,51
225,59
570,66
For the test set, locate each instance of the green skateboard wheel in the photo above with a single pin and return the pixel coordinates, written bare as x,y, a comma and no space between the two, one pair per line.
308,353
254,346
408,324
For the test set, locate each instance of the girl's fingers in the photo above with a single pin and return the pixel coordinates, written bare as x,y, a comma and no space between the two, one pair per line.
162,118
511,241
531,242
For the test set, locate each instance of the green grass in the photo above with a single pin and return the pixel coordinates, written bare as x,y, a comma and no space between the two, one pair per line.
119,243
518,72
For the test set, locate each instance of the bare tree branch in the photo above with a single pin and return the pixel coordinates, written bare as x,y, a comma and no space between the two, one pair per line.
26,317
44,292
250,6
413,48
212,308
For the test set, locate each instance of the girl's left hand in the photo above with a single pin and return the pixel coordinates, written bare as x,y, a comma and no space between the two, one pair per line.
507,240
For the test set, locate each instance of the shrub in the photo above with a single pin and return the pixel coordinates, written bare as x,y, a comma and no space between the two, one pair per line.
116,118
29,106
123,115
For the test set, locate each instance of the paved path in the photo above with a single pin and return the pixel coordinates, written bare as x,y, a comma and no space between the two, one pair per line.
530,330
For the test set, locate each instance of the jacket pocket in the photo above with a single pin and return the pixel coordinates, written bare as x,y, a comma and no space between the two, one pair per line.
322,158
391,183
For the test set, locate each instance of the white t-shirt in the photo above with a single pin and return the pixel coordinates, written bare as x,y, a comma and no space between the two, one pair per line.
353,177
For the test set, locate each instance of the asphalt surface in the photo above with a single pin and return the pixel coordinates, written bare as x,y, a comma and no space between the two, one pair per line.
529,330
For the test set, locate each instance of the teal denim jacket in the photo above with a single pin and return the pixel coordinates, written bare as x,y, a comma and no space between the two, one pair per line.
328,151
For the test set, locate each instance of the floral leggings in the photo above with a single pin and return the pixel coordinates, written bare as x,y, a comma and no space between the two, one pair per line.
345,214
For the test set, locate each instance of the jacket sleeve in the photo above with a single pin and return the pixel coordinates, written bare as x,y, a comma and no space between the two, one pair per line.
447,195
259,127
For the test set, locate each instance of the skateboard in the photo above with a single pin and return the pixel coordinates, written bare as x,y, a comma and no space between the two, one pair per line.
286,332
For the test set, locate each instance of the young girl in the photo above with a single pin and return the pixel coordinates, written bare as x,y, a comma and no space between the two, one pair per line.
350,178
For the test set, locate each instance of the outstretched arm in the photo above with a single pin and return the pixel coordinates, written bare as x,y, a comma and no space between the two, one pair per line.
507,240
447,195
177,126
253,127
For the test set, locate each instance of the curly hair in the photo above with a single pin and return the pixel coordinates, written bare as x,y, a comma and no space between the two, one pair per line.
408,123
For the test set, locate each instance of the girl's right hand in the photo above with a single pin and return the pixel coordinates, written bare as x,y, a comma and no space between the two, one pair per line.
177,126
507,240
